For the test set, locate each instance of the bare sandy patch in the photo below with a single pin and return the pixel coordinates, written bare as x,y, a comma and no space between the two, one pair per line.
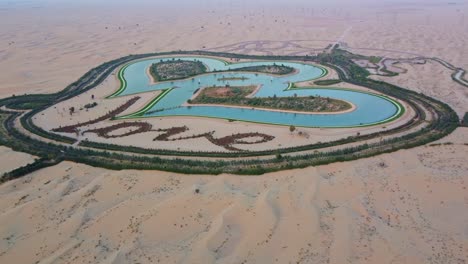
10,160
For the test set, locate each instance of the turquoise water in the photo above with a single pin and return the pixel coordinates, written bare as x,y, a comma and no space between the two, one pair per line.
370,108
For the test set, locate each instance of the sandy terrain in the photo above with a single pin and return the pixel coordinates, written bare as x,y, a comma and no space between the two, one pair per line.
11,160
410,206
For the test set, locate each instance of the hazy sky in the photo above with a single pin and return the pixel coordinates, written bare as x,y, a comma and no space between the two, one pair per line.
214,3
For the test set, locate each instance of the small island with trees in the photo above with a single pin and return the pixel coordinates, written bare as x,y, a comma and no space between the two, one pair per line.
268,69
176,69
240,96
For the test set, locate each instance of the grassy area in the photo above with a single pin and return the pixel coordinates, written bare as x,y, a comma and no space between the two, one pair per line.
375,59
327,82
176,69
4,136
237,96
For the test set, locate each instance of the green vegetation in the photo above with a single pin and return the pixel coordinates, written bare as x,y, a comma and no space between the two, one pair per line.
237,96
327,82
90,105
30,105
24,170
123,82
441,144
176,69
233,79
269,69
465,120
292,86
375,59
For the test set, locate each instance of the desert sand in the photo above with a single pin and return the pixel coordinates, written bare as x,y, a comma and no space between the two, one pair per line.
11,160
409,206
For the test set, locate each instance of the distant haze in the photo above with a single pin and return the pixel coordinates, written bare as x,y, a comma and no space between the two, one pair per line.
223,3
